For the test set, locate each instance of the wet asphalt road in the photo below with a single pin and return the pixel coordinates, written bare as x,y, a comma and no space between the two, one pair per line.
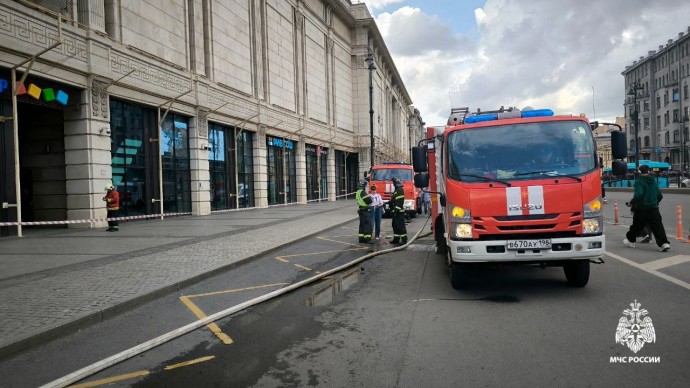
395,320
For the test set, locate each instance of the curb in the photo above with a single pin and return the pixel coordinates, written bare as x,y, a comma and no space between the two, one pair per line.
27,343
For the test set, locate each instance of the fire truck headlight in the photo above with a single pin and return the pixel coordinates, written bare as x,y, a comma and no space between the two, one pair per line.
408,204
462,230
592,225
593,208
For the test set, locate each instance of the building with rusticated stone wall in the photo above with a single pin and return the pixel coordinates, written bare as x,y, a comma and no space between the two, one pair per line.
192,105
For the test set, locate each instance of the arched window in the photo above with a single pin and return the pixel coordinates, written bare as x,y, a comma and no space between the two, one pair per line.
646,141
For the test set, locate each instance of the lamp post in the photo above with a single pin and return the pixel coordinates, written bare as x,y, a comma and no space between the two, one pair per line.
371,67
683,142
634,117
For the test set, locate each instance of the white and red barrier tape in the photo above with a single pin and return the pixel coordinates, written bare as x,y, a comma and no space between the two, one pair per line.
93,220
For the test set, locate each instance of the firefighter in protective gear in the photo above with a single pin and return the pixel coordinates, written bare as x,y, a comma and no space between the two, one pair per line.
396,206
112,204
363,201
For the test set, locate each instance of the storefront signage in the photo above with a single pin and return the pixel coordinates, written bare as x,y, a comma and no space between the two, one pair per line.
278,142
36,92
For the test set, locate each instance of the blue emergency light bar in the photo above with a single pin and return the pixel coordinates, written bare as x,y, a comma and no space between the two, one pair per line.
495,116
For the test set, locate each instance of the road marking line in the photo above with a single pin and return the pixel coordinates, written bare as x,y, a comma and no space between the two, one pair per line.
318,253
238,290
190,362
666,262
651,271
342,242
211,326
302,267
281,259
113,379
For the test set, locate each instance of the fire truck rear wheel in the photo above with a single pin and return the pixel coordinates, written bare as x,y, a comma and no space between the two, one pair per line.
577,272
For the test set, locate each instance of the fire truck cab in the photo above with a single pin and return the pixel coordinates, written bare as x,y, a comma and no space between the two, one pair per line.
511,186
381,176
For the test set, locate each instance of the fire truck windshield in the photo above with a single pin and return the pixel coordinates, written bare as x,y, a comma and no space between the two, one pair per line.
386,174
521,151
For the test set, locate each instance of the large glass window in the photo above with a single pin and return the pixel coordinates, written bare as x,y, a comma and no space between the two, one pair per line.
282,170
218,168
323,159
312,172
134,160
175,157
245,169
521,151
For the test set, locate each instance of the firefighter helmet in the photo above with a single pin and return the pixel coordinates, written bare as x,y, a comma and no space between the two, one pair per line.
362,183
109,186
396,182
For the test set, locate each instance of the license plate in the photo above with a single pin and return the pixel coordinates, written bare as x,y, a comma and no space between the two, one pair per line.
529,244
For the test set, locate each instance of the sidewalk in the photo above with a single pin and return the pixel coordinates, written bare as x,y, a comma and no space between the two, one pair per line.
53,282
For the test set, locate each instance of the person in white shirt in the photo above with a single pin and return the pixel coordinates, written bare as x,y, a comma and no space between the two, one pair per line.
376,210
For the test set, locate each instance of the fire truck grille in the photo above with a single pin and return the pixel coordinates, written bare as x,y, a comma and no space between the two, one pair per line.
527,227
527,217
520,236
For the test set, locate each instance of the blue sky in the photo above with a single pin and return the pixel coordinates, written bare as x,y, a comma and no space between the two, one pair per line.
560,54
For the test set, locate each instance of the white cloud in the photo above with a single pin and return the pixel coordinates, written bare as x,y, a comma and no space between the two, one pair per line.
544,53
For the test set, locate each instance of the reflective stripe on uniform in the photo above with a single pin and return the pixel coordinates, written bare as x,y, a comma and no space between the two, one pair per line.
360,199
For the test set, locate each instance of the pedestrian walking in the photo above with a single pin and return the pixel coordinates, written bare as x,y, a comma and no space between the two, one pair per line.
427,201
645,201
112,204
396,205
376,211
363,201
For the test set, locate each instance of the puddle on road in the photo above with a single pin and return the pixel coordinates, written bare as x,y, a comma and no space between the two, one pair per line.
325,292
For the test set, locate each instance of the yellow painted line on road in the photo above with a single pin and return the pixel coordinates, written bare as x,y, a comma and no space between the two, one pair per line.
651,271
140,373
190,362
113,379
302,267
342,242
201,315
211,326
238,290
667,262
319,253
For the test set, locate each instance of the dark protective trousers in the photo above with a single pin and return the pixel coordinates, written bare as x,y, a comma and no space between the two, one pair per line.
113,224
364,224
399,228
651,218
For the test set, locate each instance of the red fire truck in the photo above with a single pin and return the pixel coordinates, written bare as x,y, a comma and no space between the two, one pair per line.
381,175
515,186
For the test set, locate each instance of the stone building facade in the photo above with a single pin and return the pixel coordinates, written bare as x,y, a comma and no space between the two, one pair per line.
663,99
193,105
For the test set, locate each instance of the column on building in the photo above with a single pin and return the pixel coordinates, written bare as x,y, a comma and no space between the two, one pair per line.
260,168
198,158
301,162
331,174
87,155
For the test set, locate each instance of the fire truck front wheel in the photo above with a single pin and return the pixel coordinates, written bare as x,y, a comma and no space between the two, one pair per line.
458,275
577,272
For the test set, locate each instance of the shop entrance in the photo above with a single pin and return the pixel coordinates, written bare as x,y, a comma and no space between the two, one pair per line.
42,164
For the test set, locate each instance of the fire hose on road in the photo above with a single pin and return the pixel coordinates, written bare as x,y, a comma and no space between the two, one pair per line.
148,345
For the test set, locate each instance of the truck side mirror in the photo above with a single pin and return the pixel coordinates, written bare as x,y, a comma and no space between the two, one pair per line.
619,148
419,162
421,180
